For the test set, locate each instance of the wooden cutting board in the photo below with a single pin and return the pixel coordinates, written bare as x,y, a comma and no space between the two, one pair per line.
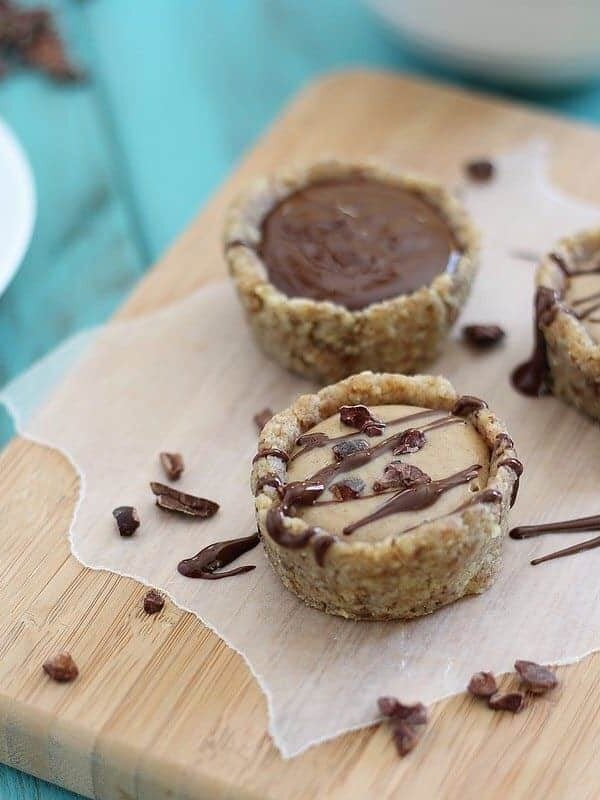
162,708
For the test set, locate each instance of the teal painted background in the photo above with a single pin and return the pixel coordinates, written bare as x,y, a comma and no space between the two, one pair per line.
178,89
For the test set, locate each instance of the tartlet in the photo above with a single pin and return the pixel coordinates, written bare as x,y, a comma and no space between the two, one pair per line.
345,267
447,471
566,358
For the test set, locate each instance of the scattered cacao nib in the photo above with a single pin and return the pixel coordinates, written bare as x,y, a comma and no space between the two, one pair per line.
360,417
61,668
536,677
173,465
415,714
128,520
388,706
510,701
403,719
262,417
399,475
483,684
173,500
349,447
405,737
348,489
480,170
483,336
411,441
153,602
29,37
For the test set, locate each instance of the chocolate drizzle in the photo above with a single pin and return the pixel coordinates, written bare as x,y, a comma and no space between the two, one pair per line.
219,554
271,451
310,441
531,377
579,525
416,498
318,539
467,404
517,467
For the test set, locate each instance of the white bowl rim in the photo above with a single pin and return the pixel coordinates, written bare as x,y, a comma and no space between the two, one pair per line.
21,184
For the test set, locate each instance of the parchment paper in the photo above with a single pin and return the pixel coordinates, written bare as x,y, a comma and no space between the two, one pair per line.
189,378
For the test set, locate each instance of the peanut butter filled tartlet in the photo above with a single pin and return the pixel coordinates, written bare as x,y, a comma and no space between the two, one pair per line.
384,496
346,267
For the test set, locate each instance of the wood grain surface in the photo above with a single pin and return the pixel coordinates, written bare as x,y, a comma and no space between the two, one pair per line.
162,709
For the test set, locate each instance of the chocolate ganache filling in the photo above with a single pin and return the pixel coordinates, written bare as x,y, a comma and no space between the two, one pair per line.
355,241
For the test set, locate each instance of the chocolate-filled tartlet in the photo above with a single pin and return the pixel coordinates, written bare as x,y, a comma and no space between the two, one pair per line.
385,496
566,358
347,267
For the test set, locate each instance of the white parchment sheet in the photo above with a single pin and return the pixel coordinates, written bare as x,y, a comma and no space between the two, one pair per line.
189,378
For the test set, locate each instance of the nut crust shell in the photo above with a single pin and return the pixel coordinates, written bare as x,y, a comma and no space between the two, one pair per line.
573,356
402,576
326,341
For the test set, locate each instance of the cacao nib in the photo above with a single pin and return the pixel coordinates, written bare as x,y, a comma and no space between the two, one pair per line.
173,500
127,520
153,602
399,475
536,678
480,170
483,684
483,336
349,447
411,441
173,465
61,668
348,489
360,417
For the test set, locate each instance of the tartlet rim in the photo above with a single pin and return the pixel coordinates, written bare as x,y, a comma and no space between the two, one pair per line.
352,390
242,230
565,330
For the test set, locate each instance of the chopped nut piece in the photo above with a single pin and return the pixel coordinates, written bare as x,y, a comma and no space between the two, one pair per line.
344,449
128,520
483,336
61,668
511,701
262,417
480,170
360,417
537,678
411,441
483,684
173,465
399,475
348,489
153,602
405,737
173,500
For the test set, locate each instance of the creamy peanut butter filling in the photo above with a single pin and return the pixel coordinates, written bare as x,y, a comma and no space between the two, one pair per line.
423,464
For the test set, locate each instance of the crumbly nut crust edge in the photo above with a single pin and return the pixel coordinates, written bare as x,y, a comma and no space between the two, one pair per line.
565,332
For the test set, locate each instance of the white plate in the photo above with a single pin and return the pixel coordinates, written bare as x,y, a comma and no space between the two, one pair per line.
17,205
